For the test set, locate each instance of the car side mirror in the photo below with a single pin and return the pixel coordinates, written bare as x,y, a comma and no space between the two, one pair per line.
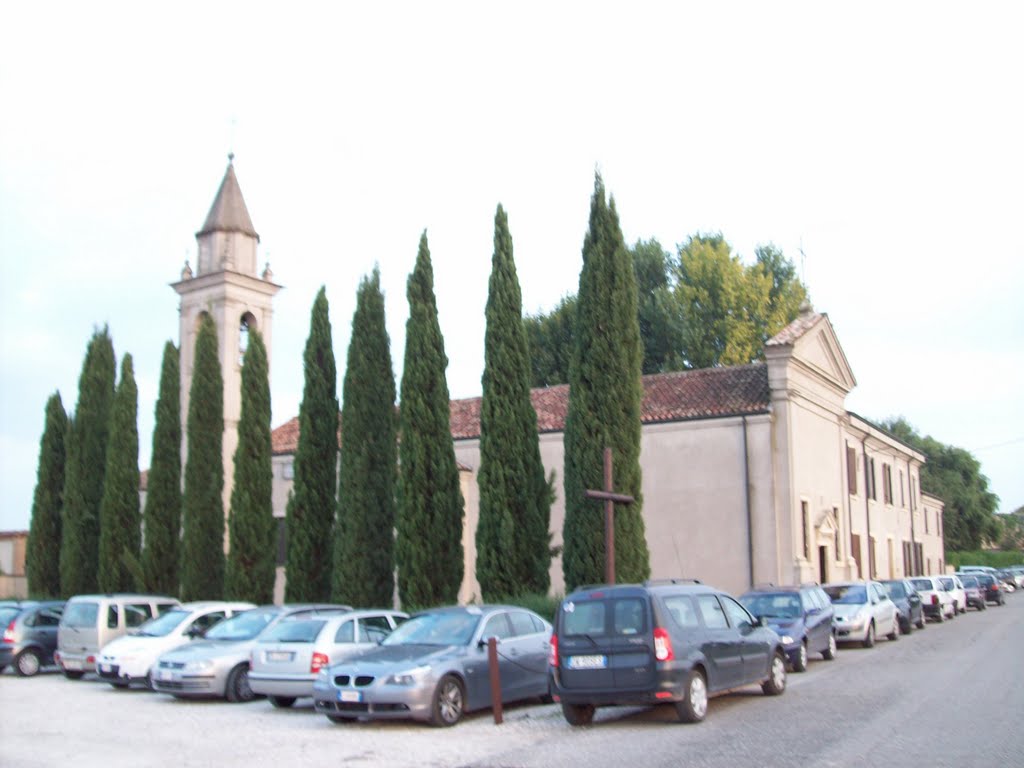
194,632
484,640
762,621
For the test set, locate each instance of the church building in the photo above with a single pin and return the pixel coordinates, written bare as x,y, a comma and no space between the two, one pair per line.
751,474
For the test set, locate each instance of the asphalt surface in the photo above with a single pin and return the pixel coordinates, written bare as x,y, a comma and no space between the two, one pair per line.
951,695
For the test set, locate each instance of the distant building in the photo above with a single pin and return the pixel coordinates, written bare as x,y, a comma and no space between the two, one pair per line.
13,582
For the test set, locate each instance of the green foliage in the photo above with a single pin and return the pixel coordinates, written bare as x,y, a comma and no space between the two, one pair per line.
990,557
162,514
541,603
700,309
954,475
311,508
512,537
364,562
1012,536
42,559
428,548
604,406
120,523
202,544
86,459
250,563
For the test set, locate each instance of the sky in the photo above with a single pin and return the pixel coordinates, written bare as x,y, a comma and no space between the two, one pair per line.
879,145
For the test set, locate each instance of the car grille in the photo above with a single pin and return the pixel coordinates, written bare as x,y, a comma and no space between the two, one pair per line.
357,707
361,681
182,685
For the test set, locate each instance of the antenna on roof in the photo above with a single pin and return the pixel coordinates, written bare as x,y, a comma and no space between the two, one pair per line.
803,259
231,141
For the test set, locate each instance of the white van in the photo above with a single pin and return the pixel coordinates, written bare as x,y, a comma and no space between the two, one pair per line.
91,621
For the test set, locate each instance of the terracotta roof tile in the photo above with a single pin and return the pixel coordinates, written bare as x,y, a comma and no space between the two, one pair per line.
680,396
804,322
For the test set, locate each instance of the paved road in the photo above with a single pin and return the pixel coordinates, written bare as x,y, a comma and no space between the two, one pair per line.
952,695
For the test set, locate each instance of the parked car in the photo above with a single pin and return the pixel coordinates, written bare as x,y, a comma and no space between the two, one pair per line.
434,667
30,635
89,622
993,589
863,611
973,589
1018,575
908,603
937,602
286,659
955,587
1009,581
801,616
661,642
218,665
132,658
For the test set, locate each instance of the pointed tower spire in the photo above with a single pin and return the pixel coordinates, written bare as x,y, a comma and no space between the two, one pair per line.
228,239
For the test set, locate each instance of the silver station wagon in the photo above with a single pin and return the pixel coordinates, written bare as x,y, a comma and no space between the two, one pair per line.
434,667
287,658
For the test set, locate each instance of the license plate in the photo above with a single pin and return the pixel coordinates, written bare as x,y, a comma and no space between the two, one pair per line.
165,674
104,667
279,656
72,665
588,662
350,696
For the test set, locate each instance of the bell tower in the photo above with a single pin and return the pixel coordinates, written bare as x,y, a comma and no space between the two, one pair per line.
226,286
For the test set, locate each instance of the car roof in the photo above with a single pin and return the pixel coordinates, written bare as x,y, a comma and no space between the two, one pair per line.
124,596
654,586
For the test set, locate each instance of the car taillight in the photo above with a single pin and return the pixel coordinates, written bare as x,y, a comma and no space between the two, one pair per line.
935,599
9,633
553,654
318,662
662,645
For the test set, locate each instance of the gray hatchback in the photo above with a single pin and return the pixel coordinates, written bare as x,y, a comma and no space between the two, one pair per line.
674,642
30,634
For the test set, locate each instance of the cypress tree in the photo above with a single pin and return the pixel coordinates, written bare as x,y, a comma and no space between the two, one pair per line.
512,539
86,460
310,511
604,406
428,548
250,565
162,513
119,510
202,544
42,561
364,559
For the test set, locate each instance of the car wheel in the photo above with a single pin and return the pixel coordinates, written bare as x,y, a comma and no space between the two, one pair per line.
578,714
800,665
940,616
869,636
895,634
830,653
237,687
906,625
282,702
26,663
694,705
449,702
921,622
775,685
73,675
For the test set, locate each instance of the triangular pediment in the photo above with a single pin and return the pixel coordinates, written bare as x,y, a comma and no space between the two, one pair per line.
810,342
827,524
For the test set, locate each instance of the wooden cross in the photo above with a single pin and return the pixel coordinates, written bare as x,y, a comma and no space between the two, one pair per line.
610,499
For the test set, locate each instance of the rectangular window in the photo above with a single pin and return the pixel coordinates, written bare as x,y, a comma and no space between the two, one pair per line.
835,514
919,554
887,483
926,521
805,519
851,469
855,551
913,494
938,523
903,501
870,486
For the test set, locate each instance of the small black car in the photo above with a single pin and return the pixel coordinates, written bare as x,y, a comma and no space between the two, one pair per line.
30,635
671,641
908,603
802,617
993,589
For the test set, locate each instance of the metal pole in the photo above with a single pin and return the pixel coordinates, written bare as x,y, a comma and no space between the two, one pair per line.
492,664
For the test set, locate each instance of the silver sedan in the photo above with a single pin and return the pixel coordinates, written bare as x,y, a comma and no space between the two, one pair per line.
434,667
218,665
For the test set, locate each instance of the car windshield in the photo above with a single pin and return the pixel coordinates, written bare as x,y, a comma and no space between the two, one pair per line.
896,589
163,625
779,606
442,628
985,580
294,631
81,614
969,581
847,594
947,583
924,584
243,626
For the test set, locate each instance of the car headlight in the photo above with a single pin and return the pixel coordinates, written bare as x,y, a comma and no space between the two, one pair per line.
787,640
411,677
197,666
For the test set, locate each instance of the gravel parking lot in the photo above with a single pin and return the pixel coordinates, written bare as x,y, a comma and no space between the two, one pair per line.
948,696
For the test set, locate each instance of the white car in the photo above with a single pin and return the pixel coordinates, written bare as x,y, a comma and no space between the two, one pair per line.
863,610
130,658
955,587
936,599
